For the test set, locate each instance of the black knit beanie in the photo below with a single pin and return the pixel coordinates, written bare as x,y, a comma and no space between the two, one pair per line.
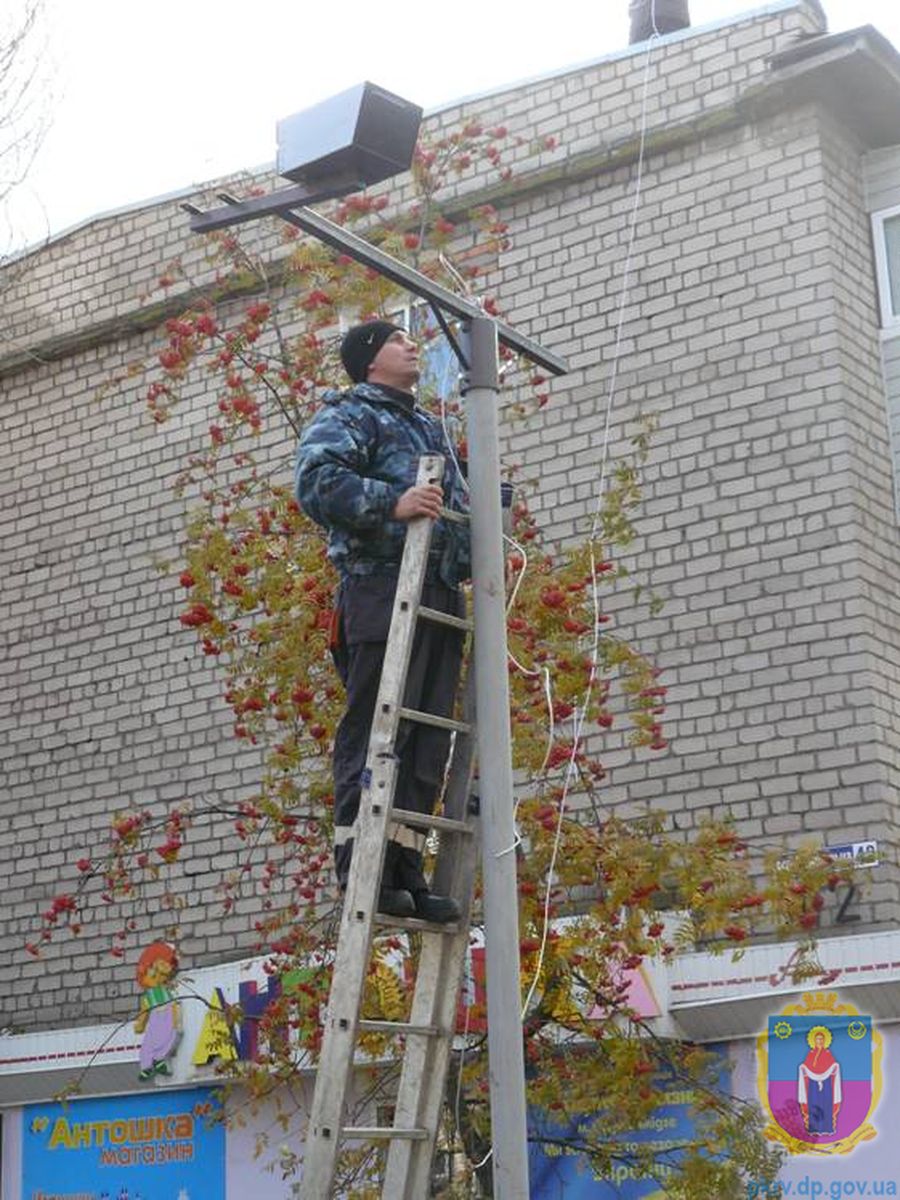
361,344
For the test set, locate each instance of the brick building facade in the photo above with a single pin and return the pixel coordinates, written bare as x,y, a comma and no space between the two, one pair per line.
754,327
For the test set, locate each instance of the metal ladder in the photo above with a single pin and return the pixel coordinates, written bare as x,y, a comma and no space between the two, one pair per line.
428,1034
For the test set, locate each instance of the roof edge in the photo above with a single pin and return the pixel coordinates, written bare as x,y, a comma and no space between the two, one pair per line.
633,51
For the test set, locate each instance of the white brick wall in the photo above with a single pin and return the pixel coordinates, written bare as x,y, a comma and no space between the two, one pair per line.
891,362
882,179
882,184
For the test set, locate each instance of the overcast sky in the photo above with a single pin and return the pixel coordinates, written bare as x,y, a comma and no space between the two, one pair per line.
151,98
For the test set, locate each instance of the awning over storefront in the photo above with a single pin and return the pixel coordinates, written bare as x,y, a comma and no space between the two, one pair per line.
713,998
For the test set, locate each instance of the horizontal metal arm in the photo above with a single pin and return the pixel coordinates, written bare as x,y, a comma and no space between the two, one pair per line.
237,212
284,204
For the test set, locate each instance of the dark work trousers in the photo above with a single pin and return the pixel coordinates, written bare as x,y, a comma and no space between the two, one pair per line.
363,618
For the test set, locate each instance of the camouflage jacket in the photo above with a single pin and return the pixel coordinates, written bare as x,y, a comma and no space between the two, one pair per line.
355,459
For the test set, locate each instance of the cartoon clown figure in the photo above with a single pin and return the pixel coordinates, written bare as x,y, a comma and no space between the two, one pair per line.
819,1083
159,1019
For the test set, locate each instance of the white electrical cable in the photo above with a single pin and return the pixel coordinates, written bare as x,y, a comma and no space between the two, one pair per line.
461,283
581,710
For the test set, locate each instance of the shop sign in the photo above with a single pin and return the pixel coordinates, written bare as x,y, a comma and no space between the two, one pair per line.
165,1146
666,1132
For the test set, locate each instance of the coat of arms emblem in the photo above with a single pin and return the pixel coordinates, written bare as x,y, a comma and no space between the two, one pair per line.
820,1075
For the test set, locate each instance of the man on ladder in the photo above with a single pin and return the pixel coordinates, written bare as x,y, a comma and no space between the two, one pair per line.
356,476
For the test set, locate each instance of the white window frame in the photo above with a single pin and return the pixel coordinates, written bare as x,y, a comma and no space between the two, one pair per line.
890,314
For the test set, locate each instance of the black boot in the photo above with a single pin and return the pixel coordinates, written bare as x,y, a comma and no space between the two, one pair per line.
407,867
396,902
440,910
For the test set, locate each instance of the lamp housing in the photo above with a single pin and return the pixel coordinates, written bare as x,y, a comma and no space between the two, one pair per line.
350,141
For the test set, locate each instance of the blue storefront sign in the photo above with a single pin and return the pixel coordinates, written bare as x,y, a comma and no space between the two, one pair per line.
555,1176
166,1145
568,1176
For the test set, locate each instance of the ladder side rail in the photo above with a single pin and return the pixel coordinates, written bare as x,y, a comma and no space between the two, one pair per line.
336,1059
458,790
340,1027
420,1094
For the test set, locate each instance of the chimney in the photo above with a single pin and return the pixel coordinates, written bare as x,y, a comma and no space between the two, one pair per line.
657,16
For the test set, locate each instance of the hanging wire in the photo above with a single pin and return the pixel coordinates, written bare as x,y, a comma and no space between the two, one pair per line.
581,710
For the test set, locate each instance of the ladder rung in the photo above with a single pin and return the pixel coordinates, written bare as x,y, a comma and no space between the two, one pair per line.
424,718
426,821
414,924
371,1133
398,1027
448,514
442,618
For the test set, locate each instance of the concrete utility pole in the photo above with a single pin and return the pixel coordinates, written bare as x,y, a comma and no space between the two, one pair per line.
506,1063
479,360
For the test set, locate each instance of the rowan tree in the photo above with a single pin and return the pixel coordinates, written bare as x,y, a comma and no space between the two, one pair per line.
600,895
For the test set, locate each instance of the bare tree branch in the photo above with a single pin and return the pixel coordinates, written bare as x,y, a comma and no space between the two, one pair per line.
25,101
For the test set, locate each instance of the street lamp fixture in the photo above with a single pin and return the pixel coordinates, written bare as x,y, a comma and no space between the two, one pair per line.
349,141
355,139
